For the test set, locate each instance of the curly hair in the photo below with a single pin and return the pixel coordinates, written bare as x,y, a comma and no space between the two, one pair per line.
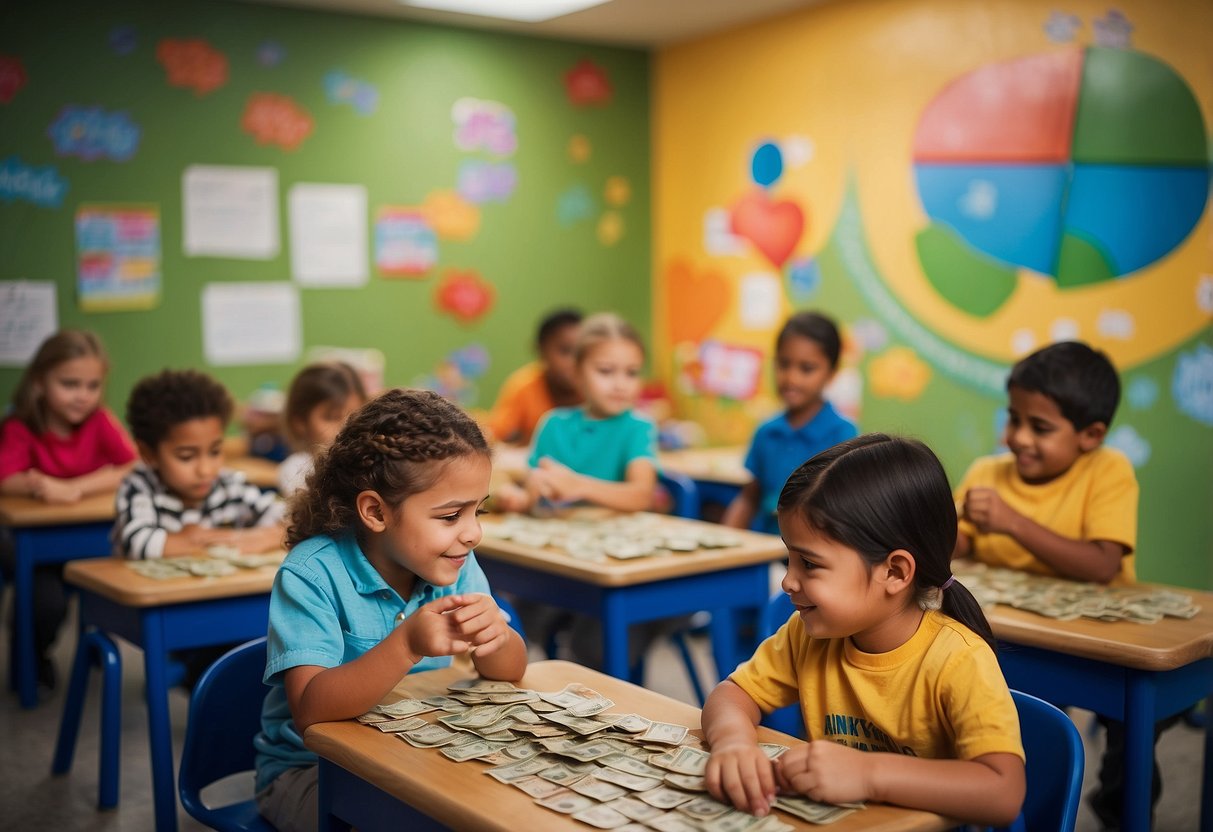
396,444
161,402
29,402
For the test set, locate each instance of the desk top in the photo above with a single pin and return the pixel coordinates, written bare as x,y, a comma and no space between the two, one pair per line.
111,578
755,548
723,465
1165,645
259,471
459,796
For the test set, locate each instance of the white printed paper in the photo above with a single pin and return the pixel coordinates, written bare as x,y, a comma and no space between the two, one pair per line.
230,212
761,299
251,323
328,234
28,316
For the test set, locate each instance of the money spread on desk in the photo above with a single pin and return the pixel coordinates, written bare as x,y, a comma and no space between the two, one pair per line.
623,537
221,561
1069,600
562,748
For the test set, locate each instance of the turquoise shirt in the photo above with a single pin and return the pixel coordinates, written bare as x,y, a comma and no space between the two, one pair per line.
599,448
328,607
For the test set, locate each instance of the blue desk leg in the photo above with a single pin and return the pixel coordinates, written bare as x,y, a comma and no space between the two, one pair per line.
614,636
155,662
73,706
1206,802
23,619
1139,752
111,717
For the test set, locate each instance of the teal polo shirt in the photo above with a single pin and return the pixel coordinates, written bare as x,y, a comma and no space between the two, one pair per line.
599,448
328,607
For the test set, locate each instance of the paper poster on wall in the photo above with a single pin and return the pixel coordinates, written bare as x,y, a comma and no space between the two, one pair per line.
230,212
328,234
28,315
117,257
405,244
760,300
250,323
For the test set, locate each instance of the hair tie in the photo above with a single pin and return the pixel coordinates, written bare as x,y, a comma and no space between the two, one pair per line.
951,580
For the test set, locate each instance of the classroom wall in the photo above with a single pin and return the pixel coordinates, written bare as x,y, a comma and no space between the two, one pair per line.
534,195
958,183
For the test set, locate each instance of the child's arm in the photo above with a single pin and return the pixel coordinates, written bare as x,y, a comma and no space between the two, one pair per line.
560,483
1083,560
740,513
738,772
318,694
986,790
106,478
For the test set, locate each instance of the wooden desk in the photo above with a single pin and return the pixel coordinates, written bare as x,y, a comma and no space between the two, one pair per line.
259,471
44,534
1135,673
624,592
374,781
159,617
720,466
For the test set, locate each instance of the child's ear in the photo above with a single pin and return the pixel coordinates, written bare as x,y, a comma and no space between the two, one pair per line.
1092,436
147,454
897,571
372,510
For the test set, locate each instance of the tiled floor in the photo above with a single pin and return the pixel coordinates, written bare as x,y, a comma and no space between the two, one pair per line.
33,799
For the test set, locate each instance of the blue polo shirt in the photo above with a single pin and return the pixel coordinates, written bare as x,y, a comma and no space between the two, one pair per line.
777,450
328,607
599,448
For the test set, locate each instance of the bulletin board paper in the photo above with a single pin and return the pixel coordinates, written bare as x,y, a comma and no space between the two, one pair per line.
230,212
328,234
251,323
28,316
118,257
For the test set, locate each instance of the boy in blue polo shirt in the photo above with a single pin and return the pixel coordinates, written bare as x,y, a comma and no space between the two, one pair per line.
806,356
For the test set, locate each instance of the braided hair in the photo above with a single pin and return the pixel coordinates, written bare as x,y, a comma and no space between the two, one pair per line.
390,445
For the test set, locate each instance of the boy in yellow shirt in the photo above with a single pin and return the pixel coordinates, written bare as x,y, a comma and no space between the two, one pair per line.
1059,502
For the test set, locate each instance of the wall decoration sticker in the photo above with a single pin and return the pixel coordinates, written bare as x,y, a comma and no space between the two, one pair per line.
1192,383
91,133
482,182
574,205
12,77
687,321
1129,442
1141,392
729,370
464,295
579,149
610,228
898,373
455,376
39,185
271,53
718,237
193,64
117,257
276,119
617,191
773,227
123,40
586,84
345,89
451,216
405,244
484,125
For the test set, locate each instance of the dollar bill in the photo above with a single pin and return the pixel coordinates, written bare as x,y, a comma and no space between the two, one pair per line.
665,733
566,802
603,817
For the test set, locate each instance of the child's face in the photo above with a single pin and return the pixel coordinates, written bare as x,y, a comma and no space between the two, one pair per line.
189,458
432,531
1044,442
324,421
610,377
802,371
72,391
557,355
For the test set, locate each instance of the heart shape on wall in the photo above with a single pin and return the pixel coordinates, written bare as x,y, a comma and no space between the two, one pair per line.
773,227
695,300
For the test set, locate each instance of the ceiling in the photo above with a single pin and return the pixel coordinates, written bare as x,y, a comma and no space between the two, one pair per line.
636,23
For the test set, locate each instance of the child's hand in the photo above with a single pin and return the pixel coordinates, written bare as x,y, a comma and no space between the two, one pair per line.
257,540
434,631
481,623
511,497
555,482
54,490
742,775
825,771
988,512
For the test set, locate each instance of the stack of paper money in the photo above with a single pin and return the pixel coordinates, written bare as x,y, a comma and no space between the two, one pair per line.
221,562
1067,600
624,537
609,770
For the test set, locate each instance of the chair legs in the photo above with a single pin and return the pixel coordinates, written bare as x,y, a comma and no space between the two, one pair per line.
97,648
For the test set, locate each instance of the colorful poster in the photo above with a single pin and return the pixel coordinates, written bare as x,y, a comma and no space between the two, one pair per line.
405,244
118,257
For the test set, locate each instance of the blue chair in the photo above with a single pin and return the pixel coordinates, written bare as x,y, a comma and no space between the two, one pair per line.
774,615
224,716
1054,768
511,616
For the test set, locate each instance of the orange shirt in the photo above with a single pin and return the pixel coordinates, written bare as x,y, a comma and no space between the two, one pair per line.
522,402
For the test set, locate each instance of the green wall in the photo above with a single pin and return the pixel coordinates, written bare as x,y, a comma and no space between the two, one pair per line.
401,153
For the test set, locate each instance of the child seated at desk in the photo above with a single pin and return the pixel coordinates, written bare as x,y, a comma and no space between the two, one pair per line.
806,356
1059,502
883,638
59,445
321,398
531,391
381,581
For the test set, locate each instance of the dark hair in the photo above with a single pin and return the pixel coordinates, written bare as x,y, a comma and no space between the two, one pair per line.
319,384
161,402
1080,380
389,445
817,328
555,321
877,493
29,403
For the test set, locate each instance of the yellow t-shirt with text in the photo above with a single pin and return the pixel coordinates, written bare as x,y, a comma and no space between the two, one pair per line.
1095,500
941,695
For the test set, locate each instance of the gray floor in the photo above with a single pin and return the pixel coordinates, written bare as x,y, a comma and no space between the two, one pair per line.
34,799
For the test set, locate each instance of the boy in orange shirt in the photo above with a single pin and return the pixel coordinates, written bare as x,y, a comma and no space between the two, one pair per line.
533,390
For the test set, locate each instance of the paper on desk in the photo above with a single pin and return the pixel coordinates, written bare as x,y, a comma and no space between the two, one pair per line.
230,211
28,316
250,323
328,234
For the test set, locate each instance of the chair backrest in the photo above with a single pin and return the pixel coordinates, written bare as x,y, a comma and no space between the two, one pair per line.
224,716
773,616
684,496
511,615
1054,769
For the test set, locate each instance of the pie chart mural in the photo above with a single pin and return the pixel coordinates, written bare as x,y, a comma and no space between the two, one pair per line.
1084,165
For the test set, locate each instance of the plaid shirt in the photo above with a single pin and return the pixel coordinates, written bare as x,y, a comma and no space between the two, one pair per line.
148,512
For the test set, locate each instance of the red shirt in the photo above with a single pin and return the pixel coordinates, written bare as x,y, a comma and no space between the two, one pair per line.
99,441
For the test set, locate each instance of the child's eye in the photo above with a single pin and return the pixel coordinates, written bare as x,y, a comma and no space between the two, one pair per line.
807,564
480,512
450,518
